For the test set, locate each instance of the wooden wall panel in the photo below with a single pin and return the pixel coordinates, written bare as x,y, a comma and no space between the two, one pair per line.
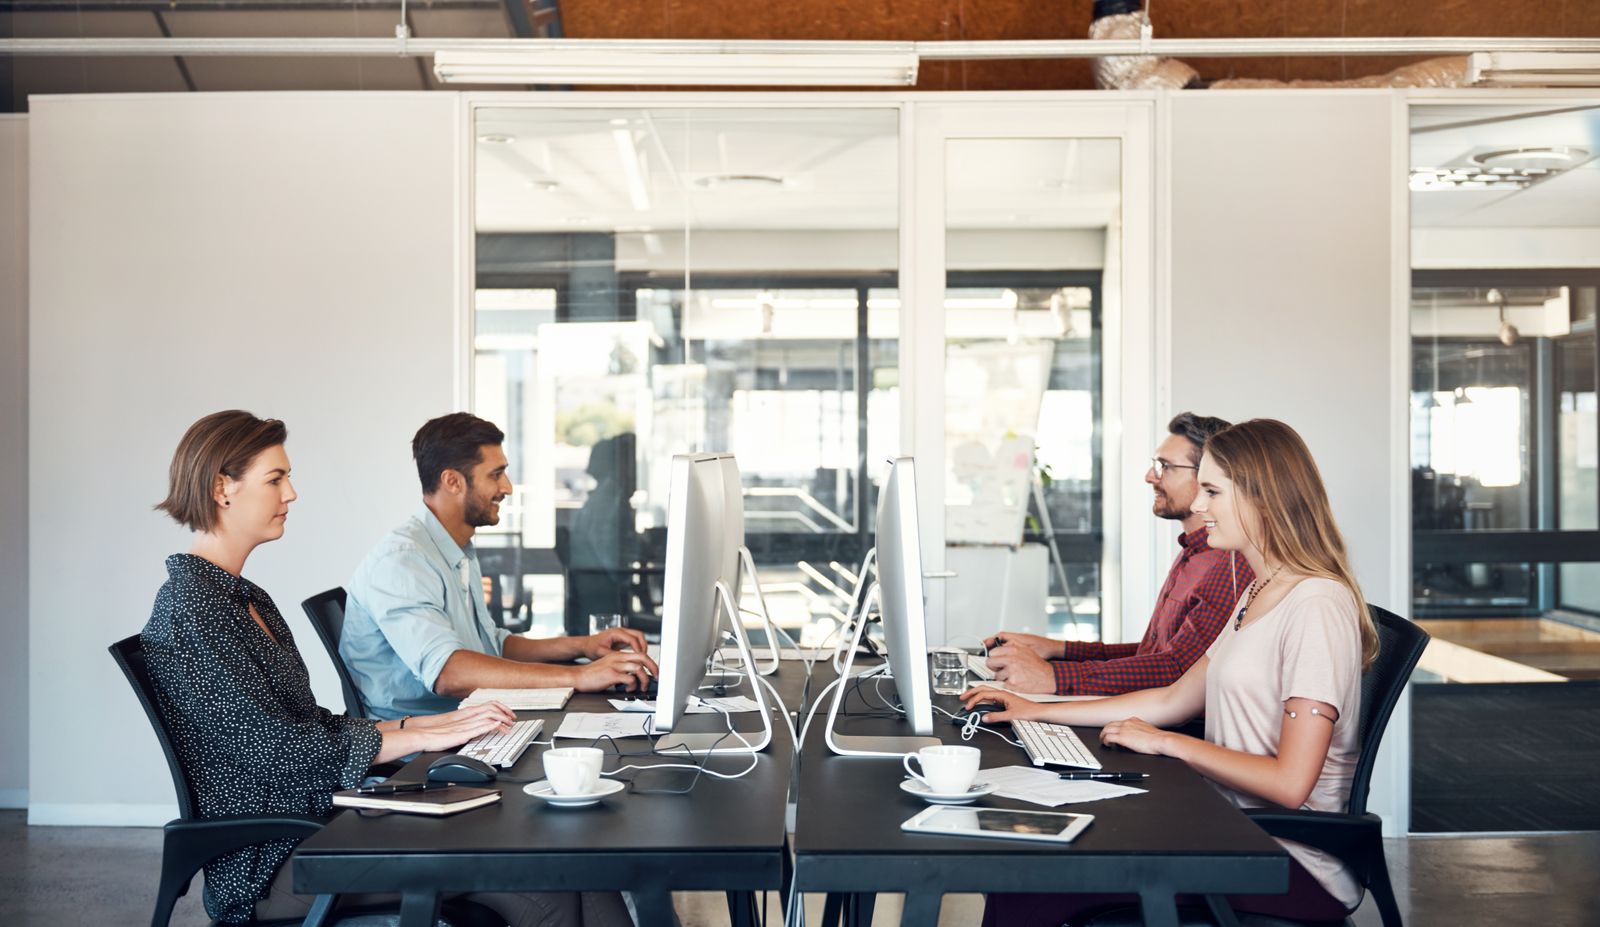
933,20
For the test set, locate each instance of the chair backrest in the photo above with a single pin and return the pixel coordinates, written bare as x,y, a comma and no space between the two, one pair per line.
326,611
129,654
1400,646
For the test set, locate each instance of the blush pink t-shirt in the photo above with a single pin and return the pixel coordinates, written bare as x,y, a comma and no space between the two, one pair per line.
1308,646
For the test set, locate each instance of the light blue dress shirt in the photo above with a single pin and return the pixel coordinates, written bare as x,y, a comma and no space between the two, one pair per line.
415,600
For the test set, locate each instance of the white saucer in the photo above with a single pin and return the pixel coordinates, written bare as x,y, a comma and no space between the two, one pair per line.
543,790
920,789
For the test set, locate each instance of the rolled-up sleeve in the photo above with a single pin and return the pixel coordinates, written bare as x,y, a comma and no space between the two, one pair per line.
407,599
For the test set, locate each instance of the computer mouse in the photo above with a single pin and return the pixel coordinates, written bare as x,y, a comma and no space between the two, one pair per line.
979,710
457,767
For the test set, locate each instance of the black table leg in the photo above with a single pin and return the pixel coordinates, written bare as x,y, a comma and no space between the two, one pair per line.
741,909
1160,908
832,907
655,907
858,909
419,908
921,909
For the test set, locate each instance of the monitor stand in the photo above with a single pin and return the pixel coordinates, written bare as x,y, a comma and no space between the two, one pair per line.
684,743
890,745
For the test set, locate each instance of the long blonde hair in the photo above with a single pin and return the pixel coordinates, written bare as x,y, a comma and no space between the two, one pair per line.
1272,468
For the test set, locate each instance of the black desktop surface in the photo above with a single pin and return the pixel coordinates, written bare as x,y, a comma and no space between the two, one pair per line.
725,835
1181,836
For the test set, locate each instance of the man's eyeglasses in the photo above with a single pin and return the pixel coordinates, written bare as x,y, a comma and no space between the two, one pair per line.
1161,466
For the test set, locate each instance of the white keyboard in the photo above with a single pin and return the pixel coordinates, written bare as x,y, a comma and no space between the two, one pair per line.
1055,744
503,749
978,665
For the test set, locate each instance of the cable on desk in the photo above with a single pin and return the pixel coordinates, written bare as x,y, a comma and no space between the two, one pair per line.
788,722
699,767
971,725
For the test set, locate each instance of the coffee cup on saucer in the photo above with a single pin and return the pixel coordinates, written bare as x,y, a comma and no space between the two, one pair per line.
945,769
573,770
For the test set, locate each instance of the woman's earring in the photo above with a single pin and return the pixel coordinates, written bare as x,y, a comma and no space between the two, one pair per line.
226,502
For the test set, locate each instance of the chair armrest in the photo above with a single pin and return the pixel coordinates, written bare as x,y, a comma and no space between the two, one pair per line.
195,843
1345,836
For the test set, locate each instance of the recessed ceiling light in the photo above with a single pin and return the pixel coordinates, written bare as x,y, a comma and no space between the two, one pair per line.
746,181
545,186
1553,157
496,138
619,122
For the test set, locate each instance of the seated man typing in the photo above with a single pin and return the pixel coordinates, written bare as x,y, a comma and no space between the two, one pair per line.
417,634
1198,597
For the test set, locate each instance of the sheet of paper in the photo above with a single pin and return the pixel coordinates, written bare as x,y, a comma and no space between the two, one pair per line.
1044,787
582,725
699,706
521,699
764,654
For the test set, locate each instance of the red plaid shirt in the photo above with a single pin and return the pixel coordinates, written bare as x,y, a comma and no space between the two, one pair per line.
1197,599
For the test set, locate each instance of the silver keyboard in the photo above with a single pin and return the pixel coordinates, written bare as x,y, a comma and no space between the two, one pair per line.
1055,744
504,748
978,665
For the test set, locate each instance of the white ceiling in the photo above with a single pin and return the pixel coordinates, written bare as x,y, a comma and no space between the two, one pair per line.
1444,134
567,170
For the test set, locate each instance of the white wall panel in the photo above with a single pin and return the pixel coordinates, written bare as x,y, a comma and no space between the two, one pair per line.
14,459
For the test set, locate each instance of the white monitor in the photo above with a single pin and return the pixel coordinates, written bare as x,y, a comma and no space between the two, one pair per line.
898,592
705,532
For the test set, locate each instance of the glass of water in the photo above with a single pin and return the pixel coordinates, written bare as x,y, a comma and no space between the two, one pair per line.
949,671
600,622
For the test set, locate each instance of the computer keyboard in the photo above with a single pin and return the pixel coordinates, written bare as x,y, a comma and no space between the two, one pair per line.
1053,744
978,665
504,748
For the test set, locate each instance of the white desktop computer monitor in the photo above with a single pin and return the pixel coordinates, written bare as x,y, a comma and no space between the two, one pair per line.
898,592
705,531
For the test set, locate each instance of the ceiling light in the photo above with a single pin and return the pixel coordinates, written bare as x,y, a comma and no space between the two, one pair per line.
638,193
685,69
747,181
496,138
1534,69
1557,157
545,186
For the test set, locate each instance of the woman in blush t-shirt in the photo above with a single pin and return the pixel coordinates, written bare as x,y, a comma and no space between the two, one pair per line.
1280,688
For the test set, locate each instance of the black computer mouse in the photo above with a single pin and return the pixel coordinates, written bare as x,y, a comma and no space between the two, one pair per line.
457,767
981,709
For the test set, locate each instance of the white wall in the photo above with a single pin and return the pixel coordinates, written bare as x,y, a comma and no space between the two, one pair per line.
14,460
1285,252
290,254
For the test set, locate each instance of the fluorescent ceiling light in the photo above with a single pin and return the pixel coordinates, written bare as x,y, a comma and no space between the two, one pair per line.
1534,69
683,69
629,155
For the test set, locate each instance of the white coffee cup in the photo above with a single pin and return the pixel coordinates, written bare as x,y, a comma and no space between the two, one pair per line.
946,769
573,770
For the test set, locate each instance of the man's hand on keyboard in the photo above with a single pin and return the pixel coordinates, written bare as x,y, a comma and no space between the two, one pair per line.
493,710
619,667
610,640
1016,707
1042,647
1137,735
1020,668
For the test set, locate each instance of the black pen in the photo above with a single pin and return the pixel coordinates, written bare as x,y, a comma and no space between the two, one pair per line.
1106,777
389,788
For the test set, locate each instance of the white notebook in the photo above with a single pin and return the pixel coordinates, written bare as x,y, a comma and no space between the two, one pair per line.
521,699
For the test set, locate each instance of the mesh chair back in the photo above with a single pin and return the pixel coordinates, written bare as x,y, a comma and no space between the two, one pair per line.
129,654
326,611
1400,646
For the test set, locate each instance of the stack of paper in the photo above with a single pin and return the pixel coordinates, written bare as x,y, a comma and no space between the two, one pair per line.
590,725
521,699
697,705
1044,787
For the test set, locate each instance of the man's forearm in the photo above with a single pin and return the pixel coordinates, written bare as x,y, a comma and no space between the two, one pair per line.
542,650
467,670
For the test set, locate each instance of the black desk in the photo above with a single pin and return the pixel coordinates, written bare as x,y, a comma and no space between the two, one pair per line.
726,835
1180,837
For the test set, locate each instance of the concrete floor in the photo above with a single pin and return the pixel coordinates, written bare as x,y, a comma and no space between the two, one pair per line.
106,876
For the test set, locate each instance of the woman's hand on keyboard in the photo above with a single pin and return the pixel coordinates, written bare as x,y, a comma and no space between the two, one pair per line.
1135,734
1016,707
485,710
440,732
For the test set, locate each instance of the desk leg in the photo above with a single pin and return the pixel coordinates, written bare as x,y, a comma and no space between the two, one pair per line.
832,907
655,907
318,912
419,909
858,909
1221,911
741,909
921,909
1160,908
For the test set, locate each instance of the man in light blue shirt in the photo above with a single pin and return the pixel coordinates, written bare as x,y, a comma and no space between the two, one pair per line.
417,635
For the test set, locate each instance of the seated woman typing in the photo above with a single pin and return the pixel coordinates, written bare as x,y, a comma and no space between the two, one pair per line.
1280,687
237,695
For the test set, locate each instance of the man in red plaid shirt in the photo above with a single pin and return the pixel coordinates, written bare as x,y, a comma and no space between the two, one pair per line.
1197,599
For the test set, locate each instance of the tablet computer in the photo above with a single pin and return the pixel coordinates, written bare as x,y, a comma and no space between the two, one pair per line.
1047,826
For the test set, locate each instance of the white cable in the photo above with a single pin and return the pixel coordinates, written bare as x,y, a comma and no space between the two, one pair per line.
972,725
726,716
821,696
787,721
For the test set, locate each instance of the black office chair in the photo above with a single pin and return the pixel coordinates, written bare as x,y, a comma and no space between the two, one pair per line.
326,611
1356,835
190,842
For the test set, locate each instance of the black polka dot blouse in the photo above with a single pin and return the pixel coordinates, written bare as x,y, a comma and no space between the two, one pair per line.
244,721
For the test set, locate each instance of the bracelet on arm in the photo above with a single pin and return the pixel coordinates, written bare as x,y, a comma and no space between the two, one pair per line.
403,722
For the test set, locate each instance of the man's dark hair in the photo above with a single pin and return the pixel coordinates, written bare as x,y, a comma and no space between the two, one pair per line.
1198,429
451,442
